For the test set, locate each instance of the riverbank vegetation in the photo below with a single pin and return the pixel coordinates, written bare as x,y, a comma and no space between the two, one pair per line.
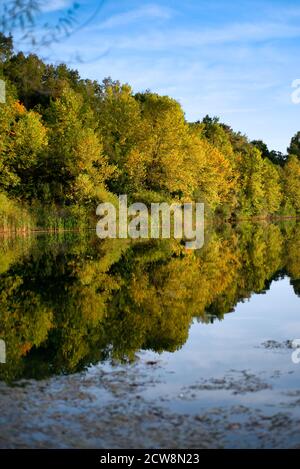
68,143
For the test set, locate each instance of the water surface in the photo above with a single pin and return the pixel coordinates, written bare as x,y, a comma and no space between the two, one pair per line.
148,337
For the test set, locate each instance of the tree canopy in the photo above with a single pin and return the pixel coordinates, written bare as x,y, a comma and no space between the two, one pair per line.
69,143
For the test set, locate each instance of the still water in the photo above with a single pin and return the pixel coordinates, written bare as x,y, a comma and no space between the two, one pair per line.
118,343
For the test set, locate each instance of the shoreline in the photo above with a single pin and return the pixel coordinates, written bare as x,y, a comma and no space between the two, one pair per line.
213,221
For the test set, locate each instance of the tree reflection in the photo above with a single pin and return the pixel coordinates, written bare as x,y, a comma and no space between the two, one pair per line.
68,301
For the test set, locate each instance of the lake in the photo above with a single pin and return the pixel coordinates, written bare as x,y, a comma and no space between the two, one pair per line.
144,344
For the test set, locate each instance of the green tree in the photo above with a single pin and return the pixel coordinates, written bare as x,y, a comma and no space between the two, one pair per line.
294,148
23,140
272,187
75,167
251,182
291,181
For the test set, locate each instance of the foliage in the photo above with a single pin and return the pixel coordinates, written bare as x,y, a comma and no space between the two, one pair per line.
294,148
67,144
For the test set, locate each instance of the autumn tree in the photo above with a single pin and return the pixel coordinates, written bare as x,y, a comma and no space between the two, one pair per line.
76,169
23,141
291,181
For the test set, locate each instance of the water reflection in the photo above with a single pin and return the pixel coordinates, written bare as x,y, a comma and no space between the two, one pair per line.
68,301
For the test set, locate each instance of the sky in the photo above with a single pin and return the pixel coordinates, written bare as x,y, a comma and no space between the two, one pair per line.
235,60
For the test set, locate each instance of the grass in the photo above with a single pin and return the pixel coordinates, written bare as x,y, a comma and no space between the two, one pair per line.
18,217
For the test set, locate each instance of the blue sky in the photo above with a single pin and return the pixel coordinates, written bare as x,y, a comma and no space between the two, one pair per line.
236,60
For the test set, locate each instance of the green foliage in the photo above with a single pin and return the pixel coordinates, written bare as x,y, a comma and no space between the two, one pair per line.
291,180
75,154
294,148
272,176
275,157
67,144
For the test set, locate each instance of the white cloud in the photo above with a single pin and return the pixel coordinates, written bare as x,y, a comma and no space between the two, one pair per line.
55,5
145,12
233,33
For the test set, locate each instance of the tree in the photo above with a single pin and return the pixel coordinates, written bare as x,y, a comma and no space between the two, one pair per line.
272,187
291,181
294,148
213,174
214,132
75,166
6,48
23,140
262,147
251,182
165,147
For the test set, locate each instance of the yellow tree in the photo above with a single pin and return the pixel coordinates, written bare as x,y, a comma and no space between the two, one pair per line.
272,187
291,181
75,161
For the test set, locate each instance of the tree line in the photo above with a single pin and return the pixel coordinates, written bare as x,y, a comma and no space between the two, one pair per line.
68,143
